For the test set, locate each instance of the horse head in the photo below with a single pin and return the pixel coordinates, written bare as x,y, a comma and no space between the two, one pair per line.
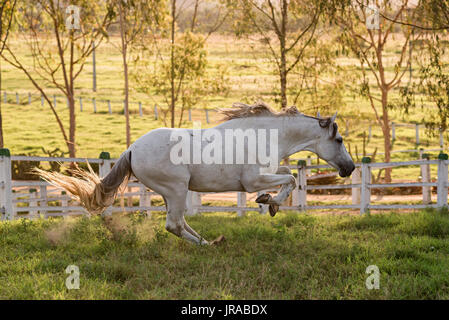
330,147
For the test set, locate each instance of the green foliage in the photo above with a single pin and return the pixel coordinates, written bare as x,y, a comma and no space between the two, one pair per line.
436,14
433,84
7,8
154,72
22,170
317,81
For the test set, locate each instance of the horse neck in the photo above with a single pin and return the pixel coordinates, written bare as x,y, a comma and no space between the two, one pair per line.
295,133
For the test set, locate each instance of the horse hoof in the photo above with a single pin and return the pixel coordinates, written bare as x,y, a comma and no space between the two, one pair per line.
263,198
217,241
273,209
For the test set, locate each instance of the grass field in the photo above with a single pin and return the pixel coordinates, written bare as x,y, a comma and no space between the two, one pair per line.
291,256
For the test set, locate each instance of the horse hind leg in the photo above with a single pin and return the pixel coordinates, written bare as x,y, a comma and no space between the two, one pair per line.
175,223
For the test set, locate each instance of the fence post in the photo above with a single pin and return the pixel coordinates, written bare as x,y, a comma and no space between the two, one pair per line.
207,116
369,133
442,180
105,166
393,131
365,192
33,195
6,185
17,98
43,195
356,179
109,107
190,114
417,133
302,185
155,112
54,100
5,98
309,163
103,170
441,140
295,192
193,202
67,102
64,202
241,203
425,174
94,102
140,109
29,98
42,100
81,104
145,199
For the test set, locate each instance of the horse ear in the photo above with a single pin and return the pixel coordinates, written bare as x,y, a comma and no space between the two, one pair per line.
334,117
318,114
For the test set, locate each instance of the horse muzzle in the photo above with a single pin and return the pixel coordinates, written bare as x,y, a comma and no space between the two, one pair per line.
346,170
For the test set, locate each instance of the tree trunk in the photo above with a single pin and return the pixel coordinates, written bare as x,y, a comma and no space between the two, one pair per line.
128,126
283,78
386,132
172,64
125,71
1,119
72,143
283,53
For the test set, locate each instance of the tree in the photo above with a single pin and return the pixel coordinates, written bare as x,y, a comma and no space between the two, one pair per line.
172,63
431,87
285,27
318,82
6,15
133,18
59,35
433,16
368,42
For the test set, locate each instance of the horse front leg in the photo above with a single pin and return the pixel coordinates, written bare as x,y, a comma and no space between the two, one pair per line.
265,181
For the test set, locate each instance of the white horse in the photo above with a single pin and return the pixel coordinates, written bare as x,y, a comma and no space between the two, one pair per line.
148,159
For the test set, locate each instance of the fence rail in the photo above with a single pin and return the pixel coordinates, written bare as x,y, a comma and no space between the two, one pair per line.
31,199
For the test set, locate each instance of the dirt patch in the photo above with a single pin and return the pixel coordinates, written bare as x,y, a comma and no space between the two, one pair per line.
58,233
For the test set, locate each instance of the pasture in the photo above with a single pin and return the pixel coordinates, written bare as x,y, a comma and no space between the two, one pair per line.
291,256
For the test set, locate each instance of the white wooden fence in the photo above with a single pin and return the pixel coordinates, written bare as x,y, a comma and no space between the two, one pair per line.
30,199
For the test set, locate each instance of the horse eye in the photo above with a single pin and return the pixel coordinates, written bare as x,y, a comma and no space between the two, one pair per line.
339,139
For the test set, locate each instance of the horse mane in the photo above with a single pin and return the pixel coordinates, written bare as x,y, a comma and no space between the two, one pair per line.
261,109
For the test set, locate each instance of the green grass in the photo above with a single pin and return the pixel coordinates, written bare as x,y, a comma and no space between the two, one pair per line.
291,256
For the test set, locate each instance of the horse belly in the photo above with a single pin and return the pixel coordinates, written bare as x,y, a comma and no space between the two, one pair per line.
215,178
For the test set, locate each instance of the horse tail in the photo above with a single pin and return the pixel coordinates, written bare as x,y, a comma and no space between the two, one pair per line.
93,193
